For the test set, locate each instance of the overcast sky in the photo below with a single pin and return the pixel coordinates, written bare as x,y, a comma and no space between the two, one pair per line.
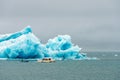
94,25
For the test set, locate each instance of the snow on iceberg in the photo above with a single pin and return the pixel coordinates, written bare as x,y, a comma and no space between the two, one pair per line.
21,44
25,44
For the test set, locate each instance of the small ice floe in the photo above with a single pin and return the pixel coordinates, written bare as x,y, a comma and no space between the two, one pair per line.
115,55
3,58
92,58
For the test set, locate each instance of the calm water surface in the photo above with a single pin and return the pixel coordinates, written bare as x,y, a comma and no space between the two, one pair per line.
107,68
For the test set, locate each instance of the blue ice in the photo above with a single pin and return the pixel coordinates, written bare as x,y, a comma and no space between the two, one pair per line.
24,44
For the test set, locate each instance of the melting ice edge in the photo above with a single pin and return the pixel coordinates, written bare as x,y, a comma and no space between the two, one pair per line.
25,45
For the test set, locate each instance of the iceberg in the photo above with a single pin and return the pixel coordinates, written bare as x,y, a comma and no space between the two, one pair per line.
62,48
25,45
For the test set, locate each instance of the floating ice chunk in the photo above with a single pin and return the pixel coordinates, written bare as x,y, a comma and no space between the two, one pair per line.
24,44
115,55
61,47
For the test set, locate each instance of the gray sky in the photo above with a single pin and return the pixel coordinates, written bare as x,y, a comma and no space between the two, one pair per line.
94,25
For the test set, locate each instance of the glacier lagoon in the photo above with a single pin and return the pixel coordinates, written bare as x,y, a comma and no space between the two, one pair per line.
25,45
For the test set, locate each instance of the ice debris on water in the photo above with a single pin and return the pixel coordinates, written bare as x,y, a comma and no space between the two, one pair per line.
24,44
115,55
